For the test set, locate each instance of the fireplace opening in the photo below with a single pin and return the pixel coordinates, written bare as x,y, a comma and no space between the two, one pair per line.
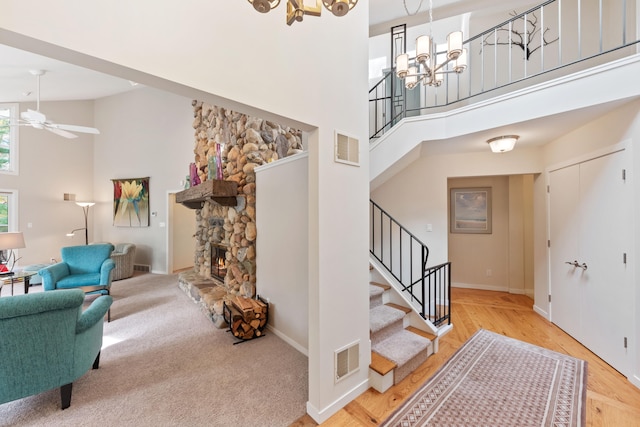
218,262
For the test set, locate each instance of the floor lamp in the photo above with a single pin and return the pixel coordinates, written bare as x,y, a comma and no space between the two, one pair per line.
85,209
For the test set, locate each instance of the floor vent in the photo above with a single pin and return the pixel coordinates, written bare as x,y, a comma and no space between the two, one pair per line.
347,150
141,267
347,361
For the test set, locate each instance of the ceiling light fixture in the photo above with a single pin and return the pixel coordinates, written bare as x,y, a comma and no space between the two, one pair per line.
502,144
296,9
429,67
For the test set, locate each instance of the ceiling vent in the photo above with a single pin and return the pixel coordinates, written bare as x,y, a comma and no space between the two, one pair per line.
347,360
347,150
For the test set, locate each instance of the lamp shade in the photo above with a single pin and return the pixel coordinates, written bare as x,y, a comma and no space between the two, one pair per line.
402,65
454,45
502,144
423,49
11,240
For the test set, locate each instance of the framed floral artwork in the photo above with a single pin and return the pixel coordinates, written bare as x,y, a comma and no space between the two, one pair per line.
131,202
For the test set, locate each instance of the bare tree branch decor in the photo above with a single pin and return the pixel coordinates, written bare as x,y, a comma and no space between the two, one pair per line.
529,42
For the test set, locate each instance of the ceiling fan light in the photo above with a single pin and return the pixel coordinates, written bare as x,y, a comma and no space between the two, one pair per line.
502,144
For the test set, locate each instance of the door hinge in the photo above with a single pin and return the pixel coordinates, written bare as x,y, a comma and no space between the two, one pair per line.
624,174
548,188
549,243
625,342
549,297
624,258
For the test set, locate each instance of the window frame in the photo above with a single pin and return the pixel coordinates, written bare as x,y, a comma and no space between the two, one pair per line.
14,135
12,213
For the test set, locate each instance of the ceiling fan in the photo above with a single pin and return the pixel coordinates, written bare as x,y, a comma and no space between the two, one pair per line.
38,120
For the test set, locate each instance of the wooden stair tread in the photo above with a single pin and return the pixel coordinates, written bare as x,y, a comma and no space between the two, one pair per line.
380,364
382,285
399,307
421,332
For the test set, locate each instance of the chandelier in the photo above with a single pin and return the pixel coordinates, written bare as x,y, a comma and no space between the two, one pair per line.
429,66
296,9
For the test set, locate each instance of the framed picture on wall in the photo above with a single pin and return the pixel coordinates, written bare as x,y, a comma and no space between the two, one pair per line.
470,210
131,202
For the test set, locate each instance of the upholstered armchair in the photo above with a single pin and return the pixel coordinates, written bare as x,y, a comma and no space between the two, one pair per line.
47,341
88,265
123,256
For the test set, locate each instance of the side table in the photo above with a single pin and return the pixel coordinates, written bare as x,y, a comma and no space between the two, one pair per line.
94,289
22,276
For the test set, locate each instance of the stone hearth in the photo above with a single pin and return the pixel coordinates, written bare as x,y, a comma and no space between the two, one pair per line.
208,293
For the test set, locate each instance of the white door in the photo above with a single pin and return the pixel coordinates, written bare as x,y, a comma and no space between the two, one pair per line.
590,210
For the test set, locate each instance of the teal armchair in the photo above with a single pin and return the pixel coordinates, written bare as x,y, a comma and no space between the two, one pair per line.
87,265
47,341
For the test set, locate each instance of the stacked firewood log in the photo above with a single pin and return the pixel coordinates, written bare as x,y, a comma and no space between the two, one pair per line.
247,317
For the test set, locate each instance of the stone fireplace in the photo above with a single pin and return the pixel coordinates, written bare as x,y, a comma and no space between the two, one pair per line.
224,220
218,262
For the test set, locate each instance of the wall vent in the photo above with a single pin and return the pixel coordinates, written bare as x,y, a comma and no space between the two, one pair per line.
141,267
347,360
347,150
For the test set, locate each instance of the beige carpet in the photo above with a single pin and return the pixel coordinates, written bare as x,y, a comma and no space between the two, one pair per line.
493,380
164,364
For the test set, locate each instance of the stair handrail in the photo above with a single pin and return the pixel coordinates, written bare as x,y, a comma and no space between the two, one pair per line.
449,96
433,286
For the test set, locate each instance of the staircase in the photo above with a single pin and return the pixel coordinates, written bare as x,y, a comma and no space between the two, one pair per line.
397,348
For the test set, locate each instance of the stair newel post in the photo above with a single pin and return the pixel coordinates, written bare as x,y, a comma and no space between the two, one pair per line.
424,257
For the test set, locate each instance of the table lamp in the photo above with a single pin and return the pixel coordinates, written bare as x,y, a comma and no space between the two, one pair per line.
9,242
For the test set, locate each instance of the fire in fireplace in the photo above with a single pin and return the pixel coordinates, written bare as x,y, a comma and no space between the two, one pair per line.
218,262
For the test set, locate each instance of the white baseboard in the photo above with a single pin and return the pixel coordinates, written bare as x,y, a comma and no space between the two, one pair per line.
288,340
479,287
323,415
541,312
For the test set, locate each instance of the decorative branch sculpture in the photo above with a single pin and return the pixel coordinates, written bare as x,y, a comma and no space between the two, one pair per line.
518,37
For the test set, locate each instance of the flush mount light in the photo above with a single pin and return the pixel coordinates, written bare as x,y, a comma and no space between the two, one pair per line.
502,144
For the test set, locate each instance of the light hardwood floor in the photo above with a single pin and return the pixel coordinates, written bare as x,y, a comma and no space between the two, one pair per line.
612,401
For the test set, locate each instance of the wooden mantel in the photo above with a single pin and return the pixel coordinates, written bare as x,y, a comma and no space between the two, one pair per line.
221,192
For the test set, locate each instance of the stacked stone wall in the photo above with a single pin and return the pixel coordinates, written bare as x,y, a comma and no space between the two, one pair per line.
245,142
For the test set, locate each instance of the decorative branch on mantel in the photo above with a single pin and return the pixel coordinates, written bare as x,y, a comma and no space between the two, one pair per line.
518,36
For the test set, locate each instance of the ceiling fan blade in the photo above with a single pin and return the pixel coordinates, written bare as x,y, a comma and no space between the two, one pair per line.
33,116
83,129
61,132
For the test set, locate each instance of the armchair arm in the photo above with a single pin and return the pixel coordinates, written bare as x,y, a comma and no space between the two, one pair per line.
52,274
105,271
94,314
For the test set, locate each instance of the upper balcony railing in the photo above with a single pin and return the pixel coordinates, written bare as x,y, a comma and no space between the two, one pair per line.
553,39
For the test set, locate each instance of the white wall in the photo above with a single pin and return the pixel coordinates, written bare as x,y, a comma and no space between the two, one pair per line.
621,125
144,132
282,274
50,166
418,194
313,75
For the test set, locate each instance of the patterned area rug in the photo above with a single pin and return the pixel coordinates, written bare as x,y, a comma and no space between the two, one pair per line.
493,380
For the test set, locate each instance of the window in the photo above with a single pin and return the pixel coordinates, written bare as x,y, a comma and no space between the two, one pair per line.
8,138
